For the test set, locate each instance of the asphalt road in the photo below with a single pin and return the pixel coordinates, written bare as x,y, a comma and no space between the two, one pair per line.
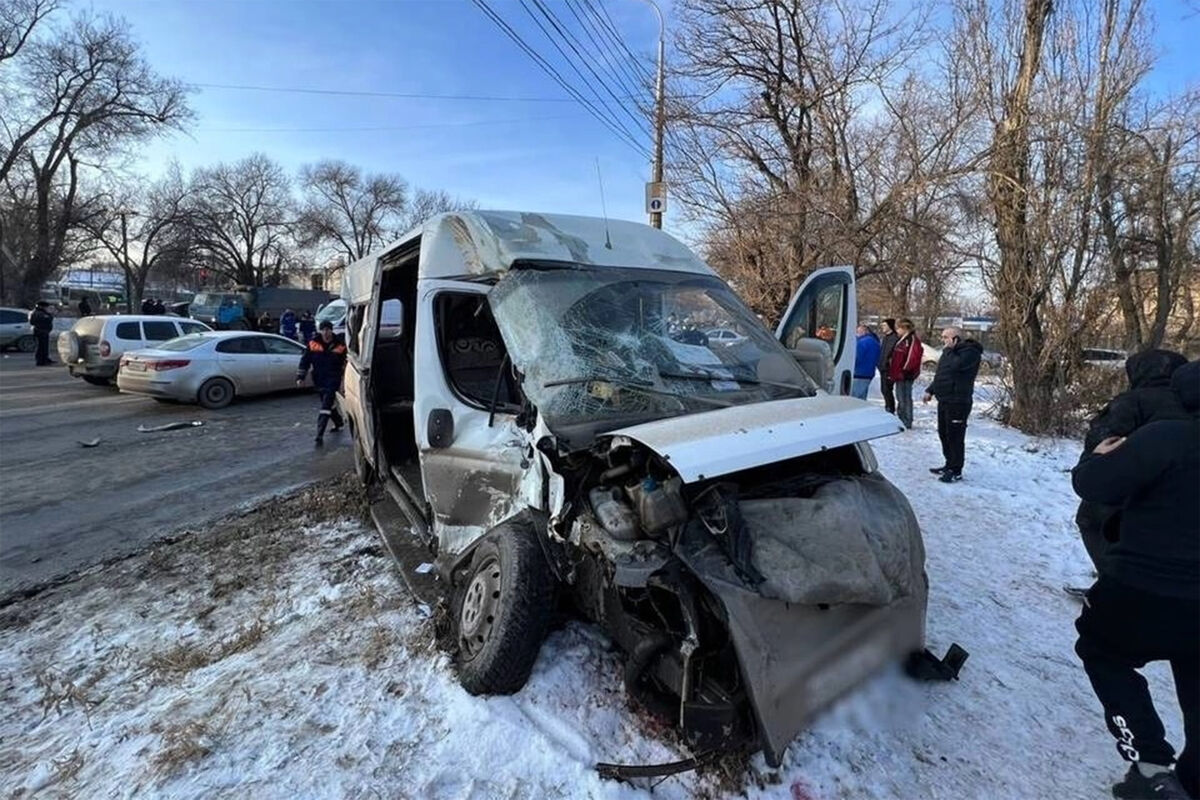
64,507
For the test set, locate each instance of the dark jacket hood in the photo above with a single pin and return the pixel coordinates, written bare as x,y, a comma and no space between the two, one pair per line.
1152,368
969,344
1186,383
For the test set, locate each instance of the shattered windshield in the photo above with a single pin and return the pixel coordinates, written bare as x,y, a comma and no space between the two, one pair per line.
608,342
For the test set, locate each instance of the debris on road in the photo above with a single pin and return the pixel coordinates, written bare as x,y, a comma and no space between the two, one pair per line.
91,443
170,426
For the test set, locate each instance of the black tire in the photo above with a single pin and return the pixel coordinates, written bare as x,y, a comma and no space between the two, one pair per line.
502,611
215,393
96,380
26,344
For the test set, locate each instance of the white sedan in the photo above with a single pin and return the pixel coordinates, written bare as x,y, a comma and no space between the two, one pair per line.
212,368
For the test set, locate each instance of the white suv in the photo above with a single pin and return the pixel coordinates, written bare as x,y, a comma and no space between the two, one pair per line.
92,349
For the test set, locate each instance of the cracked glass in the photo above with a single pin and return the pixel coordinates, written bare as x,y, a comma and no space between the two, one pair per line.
596,342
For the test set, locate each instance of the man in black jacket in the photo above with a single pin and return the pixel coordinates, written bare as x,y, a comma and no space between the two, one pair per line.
326,356
954,387
1146,604
42,322
1148,398
886,344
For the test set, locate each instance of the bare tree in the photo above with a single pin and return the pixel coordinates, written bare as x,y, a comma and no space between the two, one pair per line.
1149,212
425,203
143,229
18,18
82,93
349,211
241,217
809,146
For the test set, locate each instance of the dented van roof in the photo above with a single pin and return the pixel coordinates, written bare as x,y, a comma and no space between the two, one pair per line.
467,244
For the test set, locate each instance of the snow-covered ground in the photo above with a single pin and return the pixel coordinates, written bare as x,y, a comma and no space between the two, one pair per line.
280,658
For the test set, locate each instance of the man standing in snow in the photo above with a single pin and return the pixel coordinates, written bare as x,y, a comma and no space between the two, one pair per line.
1146,604
903,368
326,356
1148,398
954,387
886,345
866,356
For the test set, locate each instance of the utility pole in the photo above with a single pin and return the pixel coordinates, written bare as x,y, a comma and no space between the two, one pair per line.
123,213
660,122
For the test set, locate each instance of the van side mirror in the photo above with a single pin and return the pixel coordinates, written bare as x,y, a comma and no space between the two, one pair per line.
440,428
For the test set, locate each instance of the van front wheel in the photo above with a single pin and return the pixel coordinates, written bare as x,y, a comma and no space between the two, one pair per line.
503,611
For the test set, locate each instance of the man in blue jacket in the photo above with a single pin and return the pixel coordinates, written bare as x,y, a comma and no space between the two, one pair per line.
326,356
866,356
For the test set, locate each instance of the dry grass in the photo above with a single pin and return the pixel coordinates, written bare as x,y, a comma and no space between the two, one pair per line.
183,744
184,657
59,691
67,767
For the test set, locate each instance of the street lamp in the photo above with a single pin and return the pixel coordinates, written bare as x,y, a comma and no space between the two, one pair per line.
660,122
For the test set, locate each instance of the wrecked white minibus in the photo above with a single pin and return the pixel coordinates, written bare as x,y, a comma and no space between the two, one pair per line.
556,430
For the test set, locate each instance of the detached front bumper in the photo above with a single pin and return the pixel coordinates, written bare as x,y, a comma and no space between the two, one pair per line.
797,660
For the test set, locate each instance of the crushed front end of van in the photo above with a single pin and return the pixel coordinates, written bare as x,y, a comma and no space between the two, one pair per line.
562,432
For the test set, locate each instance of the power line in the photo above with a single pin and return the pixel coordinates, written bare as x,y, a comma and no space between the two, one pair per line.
615,35
402,95
570,41
392,127
549,69
614,61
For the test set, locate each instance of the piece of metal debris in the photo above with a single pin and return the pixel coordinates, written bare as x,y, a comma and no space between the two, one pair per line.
92,443
170,426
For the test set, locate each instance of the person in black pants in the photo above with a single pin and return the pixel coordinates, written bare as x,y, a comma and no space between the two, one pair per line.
954,387
1146,604
42,322
886,344
326,356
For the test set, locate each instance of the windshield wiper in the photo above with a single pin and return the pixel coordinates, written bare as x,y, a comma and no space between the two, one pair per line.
638,386
717,376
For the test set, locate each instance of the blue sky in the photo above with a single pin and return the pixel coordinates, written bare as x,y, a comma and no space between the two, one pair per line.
528,155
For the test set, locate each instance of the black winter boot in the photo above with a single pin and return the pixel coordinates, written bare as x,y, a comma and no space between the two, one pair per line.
1137,786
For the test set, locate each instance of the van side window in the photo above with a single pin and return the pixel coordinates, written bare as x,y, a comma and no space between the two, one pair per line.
472,350
130,331
354,321
819,315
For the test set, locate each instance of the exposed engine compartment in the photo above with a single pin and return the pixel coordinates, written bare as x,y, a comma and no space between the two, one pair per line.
667,568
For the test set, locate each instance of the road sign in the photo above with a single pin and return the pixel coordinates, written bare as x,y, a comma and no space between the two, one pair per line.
656,197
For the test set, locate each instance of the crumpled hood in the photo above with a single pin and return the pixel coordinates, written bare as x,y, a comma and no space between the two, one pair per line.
1152,368
713,443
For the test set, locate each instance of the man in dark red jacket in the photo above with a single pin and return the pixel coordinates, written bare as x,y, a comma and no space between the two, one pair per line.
904,368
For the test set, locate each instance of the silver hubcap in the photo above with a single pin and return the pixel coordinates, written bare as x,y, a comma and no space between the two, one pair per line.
479,607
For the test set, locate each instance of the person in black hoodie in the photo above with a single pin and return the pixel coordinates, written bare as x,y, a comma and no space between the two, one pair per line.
1146,604
1148,398
954,387
42,322
886,345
